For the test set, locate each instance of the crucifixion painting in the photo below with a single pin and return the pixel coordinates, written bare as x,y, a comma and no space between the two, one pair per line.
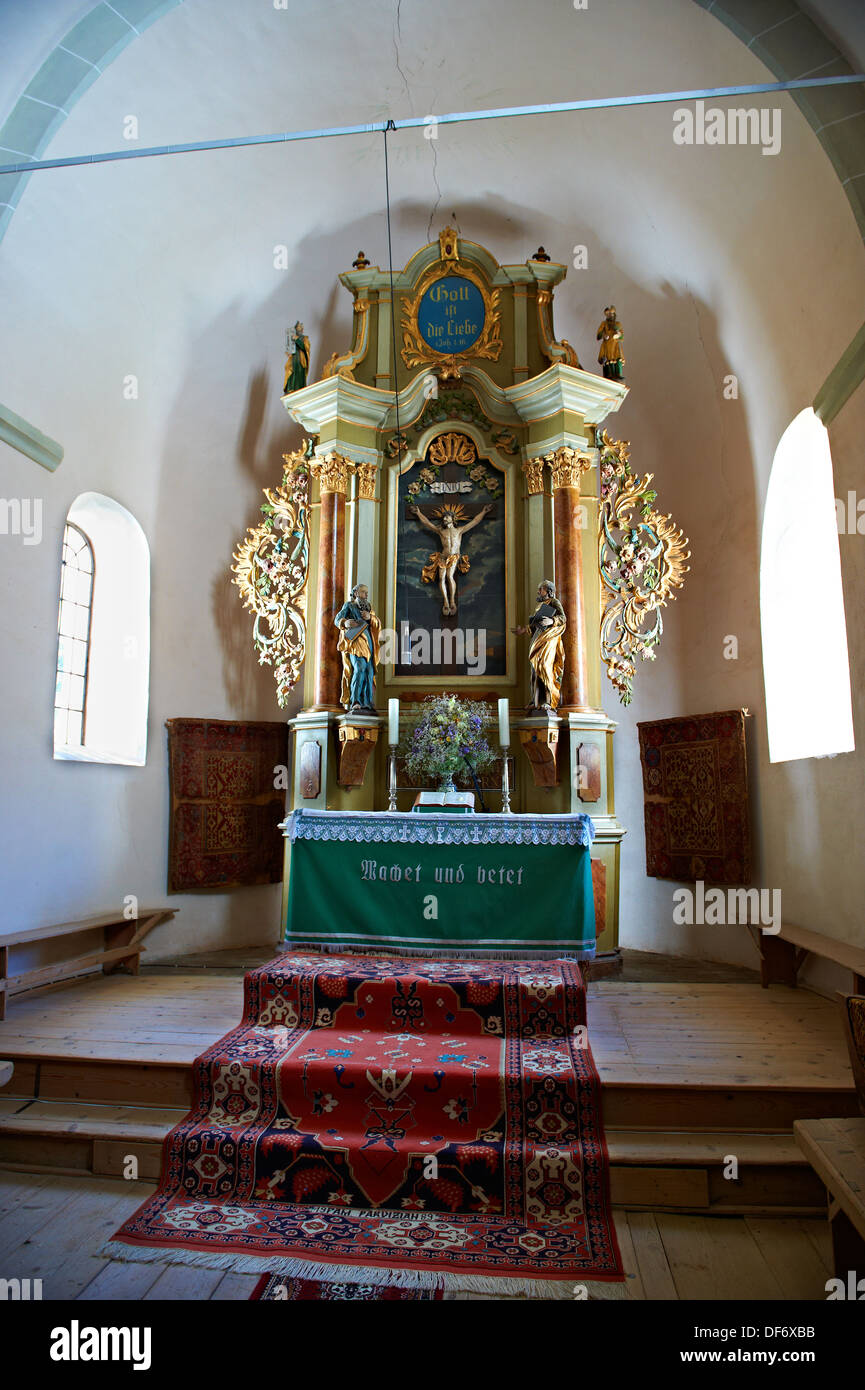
444,564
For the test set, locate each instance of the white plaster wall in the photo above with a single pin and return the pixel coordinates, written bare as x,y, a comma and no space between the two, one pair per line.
719,260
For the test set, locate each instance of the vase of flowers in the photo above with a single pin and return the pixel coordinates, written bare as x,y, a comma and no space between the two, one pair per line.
449,738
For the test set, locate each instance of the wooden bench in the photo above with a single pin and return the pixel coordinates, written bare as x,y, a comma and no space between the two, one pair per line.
836,1151
120,949
783,955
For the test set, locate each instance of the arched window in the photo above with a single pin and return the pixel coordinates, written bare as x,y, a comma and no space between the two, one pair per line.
806,669
73,637
103,653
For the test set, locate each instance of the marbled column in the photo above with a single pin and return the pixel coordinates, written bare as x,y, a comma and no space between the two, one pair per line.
566,467
332,471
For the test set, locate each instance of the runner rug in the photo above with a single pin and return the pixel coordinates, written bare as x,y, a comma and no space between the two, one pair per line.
397,1122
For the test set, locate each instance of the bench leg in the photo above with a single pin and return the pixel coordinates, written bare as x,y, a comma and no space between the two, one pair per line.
121,935
848,1247
778,962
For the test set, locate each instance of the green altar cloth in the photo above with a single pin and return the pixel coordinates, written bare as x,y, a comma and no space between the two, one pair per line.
498,886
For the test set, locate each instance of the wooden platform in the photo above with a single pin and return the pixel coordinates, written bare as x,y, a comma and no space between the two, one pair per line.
693,1074
51,1228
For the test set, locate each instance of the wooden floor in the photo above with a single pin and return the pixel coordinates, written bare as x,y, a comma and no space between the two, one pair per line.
693,1069
52,1227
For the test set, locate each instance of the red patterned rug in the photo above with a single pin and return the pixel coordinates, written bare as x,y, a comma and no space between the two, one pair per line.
401,1120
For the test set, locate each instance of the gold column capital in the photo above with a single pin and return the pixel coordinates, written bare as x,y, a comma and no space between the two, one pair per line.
332,471
366,474
533,470
567,466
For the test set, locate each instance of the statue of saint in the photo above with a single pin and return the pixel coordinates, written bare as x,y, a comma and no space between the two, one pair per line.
610,335
443,564
297,364
546,649
358,643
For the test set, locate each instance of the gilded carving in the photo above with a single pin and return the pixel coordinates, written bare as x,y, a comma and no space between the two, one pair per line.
534,475
452,448
642,560
555,351
343,364
449,244
417,353
332,471
270,571
567,466
366,481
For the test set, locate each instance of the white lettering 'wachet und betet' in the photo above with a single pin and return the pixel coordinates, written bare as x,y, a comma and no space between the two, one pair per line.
371,871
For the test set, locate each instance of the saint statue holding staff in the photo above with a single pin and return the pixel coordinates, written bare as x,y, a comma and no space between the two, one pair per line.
359,630
546,648
609,335
297,364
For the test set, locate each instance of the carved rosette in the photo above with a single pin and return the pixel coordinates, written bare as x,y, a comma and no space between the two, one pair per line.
533,470
567,466
270,571
366,481
332,471
642,555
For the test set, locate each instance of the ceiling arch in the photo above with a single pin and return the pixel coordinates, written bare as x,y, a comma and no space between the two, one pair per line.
73,65
786,39
791,45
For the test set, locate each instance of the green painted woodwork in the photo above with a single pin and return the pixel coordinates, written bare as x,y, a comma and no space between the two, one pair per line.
27,439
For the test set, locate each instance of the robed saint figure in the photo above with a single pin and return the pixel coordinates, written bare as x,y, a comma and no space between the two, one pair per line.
359,630
546,648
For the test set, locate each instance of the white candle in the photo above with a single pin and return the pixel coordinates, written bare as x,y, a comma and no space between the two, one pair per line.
393,721
504,724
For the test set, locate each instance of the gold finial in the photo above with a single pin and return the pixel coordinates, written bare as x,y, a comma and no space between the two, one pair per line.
448,244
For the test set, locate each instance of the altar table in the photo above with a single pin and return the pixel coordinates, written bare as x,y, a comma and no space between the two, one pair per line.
497,886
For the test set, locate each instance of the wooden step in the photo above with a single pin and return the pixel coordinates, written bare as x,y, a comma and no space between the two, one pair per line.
658,1105
657,1170
682,1171
648,1104
71,1137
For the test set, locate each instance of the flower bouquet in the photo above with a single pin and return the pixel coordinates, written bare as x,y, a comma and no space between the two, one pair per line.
449,737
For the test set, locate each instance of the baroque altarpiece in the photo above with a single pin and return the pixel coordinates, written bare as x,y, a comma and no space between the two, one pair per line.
455,460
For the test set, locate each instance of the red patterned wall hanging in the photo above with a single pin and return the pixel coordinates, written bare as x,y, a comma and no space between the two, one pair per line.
695,786
225,809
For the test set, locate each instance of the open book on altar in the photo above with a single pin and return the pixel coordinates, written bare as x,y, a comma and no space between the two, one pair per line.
451,801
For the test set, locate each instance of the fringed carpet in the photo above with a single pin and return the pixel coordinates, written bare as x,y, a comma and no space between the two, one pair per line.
402,1123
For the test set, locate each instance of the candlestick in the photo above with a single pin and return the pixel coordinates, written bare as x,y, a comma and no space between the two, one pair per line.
504,724
391,775
393,722
506,784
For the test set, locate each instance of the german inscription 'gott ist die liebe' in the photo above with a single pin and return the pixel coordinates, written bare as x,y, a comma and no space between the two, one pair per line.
451,314
371,871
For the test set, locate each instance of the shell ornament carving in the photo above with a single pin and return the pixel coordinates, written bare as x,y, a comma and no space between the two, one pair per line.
270,571
642,556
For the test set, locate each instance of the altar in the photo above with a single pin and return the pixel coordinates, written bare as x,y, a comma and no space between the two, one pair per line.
452,563
496,886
